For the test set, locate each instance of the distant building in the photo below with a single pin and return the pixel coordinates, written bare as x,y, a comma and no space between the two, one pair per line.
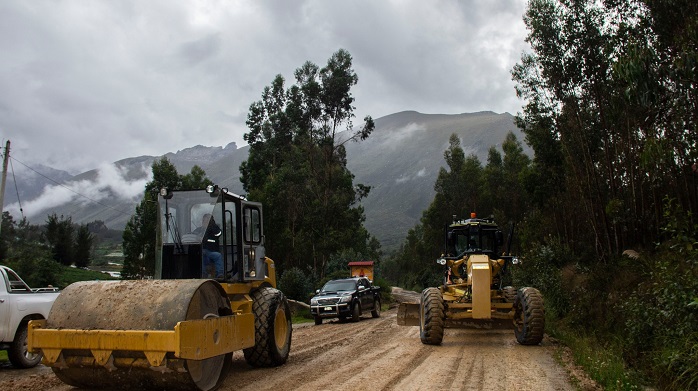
362,269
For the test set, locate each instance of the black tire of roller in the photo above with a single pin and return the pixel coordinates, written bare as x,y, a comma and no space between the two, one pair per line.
431,317
266,353
529,316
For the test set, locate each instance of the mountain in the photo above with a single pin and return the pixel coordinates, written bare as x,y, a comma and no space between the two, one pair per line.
400,161
402,157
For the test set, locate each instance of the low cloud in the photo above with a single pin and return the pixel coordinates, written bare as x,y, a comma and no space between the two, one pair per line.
408,177
111,186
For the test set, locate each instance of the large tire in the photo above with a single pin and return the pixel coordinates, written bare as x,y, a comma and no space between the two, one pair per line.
431,317
509,293
318,321
356,312
272,325
529,316
18,354
376,312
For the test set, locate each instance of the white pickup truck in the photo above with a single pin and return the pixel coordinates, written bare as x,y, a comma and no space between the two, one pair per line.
18,305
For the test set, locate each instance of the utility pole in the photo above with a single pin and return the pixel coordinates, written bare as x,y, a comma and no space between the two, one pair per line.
4,176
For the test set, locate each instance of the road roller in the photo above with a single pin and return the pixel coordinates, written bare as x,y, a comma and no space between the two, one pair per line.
179,329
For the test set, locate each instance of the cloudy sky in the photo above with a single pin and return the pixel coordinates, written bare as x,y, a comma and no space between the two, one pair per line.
86,82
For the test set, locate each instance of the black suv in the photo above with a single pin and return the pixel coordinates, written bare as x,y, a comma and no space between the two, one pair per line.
346,297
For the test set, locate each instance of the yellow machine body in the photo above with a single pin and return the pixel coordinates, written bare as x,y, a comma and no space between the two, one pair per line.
174,332
473,294
469,300
190,339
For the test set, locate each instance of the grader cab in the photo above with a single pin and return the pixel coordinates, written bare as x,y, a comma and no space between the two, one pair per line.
180,329
472,294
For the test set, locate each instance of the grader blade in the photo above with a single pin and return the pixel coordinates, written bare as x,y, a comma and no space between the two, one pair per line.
408,314
484,324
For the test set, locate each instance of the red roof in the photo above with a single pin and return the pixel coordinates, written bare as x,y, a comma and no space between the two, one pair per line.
361,263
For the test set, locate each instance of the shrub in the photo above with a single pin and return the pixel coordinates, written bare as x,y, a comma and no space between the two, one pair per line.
295,284
386,291
540,269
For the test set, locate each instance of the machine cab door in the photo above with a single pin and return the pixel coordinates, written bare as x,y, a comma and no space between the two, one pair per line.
253,265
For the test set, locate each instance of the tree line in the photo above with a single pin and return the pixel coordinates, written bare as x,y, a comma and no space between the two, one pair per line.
37,251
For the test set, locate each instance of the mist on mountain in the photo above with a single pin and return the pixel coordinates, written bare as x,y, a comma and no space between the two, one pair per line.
400,161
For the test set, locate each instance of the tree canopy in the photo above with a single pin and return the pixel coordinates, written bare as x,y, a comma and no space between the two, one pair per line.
297,165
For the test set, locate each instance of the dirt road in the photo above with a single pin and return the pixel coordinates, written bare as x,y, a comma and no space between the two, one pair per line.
377,354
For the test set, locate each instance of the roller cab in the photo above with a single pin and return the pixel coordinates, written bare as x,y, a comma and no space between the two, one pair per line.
178,330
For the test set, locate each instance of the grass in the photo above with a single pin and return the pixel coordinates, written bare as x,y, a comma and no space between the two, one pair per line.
3,356
70,275
604,364
301,316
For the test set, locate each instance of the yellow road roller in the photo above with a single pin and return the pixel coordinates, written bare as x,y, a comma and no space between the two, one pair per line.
213,293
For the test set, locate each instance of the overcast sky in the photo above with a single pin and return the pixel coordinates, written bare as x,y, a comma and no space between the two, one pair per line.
88,82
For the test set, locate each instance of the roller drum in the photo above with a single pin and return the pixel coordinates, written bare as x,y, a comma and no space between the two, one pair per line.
138,305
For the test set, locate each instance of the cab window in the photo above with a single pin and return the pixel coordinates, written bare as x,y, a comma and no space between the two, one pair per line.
252,225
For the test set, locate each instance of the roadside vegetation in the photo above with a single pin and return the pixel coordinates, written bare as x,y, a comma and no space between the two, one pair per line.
605,210
57,253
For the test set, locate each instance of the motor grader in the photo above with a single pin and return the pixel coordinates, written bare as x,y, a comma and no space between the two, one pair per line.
180,329
472,294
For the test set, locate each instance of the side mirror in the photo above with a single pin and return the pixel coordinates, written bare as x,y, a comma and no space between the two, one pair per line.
317,291
361,287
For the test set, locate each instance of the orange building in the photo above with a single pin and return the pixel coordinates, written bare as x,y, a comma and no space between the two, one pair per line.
362,269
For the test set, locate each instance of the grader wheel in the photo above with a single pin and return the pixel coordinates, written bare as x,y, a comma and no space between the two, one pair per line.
272,329
509,293
431,317
529,316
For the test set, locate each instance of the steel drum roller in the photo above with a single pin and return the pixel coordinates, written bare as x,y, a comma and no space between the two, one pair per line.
138,305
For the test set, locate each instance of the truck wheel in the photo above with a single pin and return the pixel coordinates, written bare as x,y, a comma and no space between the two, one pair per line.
356,313
318,320
18,354
431,317
529,316
376,312
272,323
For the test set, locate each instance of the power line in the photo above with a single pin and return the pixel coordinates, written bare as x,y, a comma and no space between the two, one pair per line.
67,188
14,179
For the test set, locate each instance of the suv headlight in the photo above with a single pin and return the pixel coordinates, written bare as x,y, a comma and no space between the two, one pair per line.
345,299
313,301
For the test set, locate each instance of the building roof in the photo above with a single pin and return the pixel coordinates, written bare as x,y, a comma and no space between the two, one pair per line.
361,263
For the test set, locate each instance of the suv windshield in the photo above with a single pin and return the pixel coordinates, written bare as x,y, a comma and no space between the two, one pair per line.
336,286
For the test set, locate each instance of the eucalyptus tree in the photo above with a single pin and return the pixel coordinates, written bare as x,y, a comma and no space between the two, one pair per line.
83,246
600,120
297,165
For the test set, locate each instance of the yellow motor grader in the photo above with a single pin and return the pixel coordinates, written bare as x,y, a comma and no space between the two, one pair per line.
472,294
180,329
